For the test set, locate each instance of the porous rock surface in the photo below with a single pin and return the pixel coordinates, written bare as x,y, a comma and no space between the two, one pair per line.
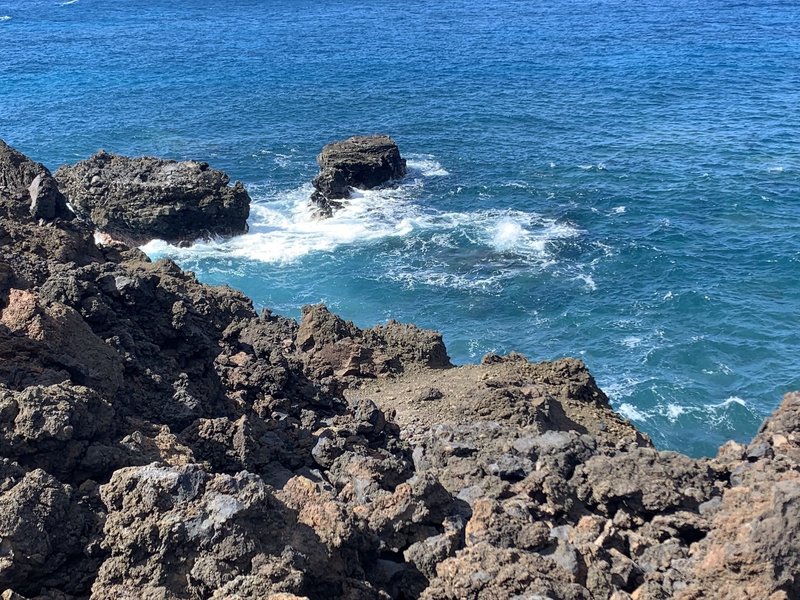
362,162
139,199
160,439
28,184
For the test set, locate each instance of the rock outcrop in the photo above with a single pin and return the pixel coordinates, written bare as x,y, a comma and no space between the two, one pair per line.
362,162
139,199
160,439
25,184
38,233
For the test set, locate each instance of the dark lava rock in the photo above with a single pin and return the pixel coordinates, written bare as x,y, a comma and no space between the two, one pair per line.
37,231
362,162
140,199
27,186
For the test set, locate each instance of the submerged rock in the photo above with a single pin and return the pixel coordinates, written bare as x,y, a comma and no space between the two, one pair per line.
362,162
140,199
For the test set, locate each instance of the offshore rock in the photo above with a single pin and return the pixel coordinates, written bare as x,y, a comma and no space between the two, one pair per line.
362,162
140,199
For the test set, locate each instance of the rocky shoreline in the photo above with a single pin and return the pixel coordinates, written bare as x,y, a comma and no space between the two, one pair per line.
159,439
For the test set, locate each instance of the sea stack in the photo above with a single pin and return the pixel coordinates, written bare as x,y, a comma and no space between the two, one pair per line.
362,162
136,200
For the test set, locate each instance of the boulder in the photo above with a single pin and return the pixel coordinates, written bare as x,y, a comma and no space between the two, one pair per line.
362,162
48,536
139,199
28,187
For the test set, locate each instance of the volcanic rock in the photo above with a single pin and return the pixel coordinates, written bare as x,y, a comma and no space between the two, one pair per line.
27,186
362,162
159,439
140,199
38,232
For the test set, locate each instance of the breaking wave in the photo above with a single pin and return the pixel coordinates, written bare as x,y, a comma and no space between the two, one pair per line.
460,249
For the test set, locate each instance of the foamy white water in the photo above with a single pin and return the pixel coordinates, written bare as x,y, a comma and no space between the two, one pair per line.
426,165
284,228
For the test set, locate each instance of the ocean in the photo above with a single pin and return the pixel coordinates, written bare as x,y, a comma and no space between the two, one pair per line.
613,180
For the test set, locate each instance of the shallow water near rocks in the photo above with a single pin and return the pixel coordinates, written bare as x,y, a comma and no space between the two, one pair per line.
610,180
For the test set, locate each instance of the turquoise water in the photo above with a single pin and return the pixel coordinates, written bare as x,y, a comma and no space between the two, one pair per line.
612,180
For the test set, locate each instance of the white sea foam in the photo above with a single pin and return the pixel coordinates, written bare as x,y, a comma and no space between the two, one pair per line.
618,210
440,278
507,234
631,341
729,401
283,160
629,411
520,232
475,250
286,229
500,244
588,280
4,18
621,388
723,413
674,411
68,2
425,165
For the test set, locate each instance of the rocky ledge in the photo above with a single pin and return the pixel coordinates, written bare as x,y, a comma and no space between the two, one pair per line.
160,439
139,199
362,162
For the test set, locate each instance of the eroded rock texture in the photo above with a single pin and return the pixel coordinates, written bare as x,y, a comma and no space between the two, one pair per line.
362,162
139,199
159,439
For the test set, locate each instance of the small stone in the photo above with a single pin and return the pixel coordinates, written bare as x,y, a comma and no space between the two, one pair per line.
430,394
709,507
759,451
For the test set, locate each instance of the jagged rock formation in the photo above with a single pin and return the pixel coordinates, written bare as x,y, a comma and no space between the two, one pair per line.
138,199
159,439
362,162
27,184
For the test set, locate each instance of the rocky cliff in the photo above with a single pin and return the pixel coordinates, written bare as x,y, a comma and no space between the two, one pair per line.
160,439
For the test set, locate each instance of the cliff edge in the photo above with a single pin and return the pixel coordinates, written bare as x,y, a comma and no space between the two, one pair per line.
160,439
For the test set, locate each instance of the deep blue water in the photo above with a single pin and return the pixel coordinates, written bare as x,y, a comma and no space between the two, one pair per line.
614,180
